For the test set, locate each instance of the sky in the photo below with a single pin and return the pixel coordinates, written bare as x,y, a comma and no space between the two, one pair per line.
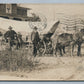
51,11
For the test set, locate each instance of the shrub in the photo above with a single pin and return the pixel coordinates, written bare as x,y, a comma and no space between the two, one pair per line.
16,60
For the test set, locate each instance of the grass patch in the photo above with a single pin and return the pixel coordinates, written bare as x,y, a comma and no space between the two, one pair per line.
21,59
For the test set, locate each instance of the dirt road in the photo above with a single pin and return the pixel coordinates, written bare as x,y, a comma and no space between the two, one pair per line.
51,68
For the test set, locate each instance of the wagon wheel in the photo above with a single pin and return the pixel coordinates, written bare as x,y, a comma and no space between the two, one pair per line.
48,48
42,48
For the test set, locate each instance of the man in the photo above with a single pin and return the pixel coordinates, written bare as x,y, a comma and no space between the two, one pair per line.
10,36
35,40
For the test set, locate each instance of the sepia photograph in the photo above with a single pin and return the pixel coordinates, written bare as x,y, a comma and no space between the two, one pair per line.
41,42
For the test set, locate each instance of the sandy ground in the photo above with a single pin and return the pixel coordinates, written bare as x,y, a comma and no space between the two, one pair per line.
51,68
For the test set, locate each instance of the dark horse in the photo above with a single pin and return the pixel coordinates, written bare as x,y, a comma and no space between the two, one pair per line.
17,41
78,40
63,41
66,39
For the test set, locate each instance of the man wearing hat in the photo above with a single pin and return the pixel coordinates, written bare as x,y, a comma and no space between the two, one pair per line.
10,35
35,39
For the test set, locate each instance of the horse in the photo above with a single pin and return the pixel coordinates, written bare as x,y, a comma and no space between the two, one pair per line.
65,39
78,39
20,41
17,42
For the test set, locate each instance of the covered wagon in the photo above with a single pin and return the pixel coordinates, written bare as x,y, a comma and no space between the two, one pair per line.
45,45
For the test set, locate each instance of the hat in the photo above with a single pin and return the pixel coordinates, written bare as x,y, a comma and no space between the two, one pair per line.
35,28
10,27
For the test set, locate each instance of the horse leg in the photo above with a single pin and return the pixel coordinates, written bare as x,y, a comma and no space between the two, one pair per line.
79,49
20,45
64,49
10,44
54,47
17,45
54,52
60,51
72,49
